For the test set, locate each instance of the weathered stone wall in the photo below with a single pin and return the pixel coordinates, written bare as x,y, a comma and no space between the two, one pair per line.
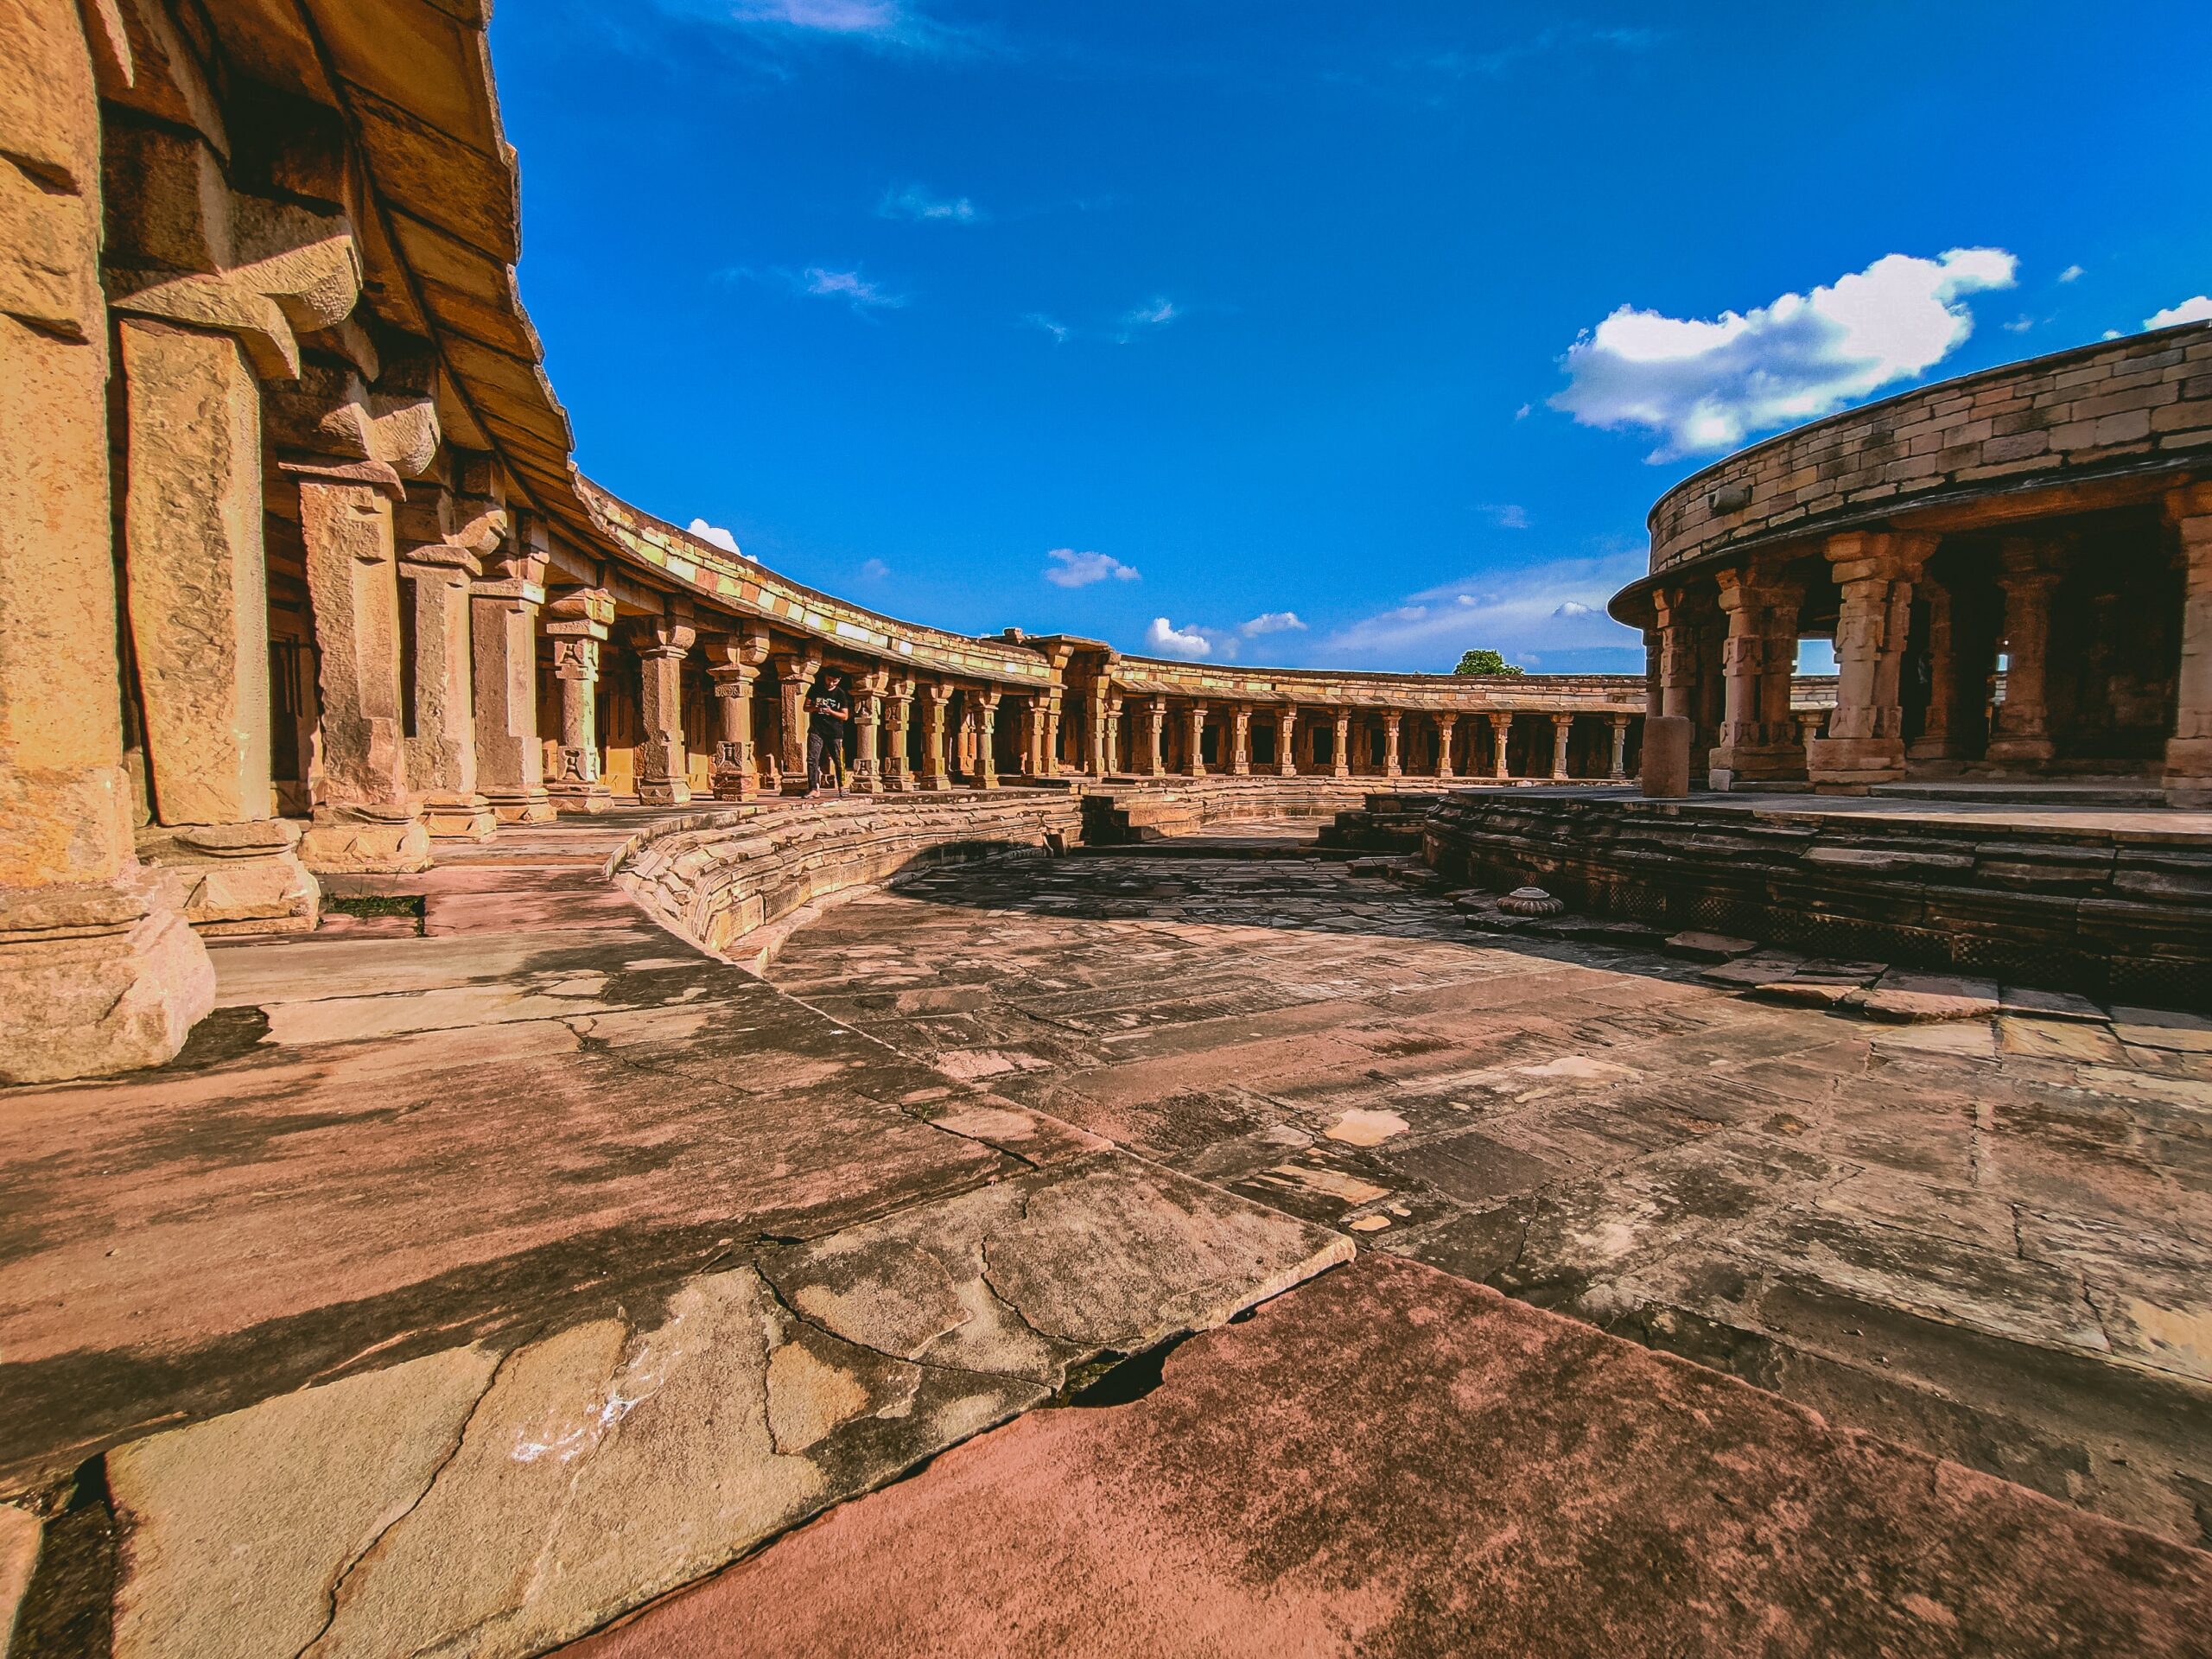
2145,400
2120,913
1136,811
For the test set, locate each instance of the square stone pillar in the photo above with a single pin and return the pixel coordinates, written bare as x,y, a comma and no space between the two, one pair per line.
365,819
2189,750
98,972
663,767
796,671
503,608
1240,740
1618,771
1154,763
1340,755
1446,725
936,773
985,705
1938,740
1392,720
437,578
1286,742
2029,576
866,778
899,708
1501,734
1866,740
1562,734
1194,756
199,616
734,663
577,622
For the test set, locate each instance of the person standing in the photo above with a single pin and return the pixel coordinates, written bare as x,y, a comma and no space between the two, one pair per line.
825,733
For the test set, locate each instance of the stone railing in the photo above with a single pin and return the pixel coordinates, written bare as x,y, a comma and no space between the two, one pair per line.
2140,403
716,877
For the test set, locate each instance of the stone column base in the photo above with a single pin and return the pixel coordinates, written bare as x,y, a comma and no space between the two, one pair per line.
2188,771
233,879
1850,765
459,818
581,798
734,784
96,979
1747,766
2014,750
522,806
366,841
664,792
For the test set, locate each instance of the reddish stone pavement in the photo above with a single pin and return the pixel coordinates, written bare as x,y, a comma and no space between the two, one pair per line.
1392,1461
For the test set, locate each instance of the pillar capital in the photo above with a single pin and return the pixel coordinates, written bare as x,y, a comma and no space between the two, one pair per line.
579,614
663,639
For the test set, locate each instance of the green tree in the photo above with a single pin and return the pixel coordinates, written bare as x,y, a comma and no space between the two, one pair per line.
1485,661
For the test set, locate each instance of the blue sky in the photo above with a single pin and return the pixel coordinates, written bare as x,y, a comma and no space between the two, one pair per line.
1303,334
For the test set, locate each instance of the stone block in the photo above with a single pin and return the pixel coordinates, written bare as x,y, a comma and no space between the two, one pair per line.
1666,774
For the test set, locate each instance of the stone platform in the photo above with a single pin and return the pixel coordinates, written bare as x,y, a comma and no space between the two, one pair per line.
2041,890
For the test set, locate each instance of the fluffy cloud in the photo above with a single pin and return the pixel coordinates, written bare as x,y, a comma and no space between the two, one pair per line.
2198,309
1070,569
1707,383
719,536
848,285
1272,622
1560,605
1164,638
2071,274
918,205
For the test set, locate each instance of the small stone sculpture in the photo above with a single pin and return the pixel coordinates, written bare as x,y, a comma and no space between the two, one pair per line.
1530,901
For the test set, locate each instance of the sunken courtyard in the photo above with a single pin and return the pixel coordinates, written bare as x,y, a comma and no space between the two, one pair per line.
1173,1157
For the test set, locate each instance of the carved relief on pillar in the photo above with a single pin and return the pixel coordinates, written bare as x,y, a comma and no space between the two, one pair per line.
734,663
1758,739
2189,750
503,607
898,705
796,671
578,623
1875,572
663,767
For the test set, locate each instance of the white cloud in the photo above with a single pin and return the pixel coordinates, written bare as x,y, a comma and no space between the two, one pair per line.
1165,638
874,570
1558,606
1707,383
1507,515
1272,622
1074,569
2198,309
1059,331
918,205
1158,315
2019,325
1524,412
848,285
833,17
719,536
2071,274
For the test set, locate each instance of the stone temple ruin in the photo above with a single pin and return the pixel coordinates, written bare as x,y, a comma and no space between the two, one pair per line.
486,1171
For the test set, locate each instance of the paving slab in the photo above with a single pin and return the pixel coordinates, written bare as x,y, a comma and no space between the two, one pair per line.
1391,1461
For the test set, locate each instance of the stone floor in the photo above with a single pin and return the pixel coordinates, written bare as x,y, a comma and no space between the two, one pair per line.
1990,1239
484,1270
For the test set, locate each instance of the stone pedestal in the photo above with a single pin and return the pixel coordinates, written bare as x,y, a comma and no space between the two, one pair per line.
365,819
577,623
663,767
1666,757
503,609
2189,750
232,879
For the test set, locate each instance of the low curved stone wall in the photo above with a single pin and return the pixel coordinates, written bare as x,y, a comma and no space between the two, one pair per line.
1127,811
715,877
2114,912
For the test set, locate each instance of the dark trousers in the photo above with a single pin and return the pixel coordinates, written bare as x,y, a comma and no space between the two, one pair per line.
826,747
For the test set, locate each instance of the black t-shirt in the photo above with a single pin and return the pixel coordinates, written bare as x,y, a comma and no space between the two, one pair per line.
828,704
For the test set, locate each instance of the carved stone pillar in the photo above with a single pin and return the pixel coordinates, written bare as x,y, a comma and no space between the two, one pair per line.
1392,720
1445,724
1757,737
986,706
899,709
1155,729
1865,742
2189,750
1098,757
1677,654
199,617
1340,752
866,772
504,606
664,768
1562,734
441,749
1240,740
937,770
98,972
1619,768
1501,733
577,623
1194,756
365,818
1049,760
1286,742
1111,735
796,671
734,663
2030,577
1939,739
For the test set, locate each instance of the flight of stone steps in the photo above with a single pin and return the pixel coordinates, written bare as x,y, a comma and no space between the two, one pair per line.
1386,822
